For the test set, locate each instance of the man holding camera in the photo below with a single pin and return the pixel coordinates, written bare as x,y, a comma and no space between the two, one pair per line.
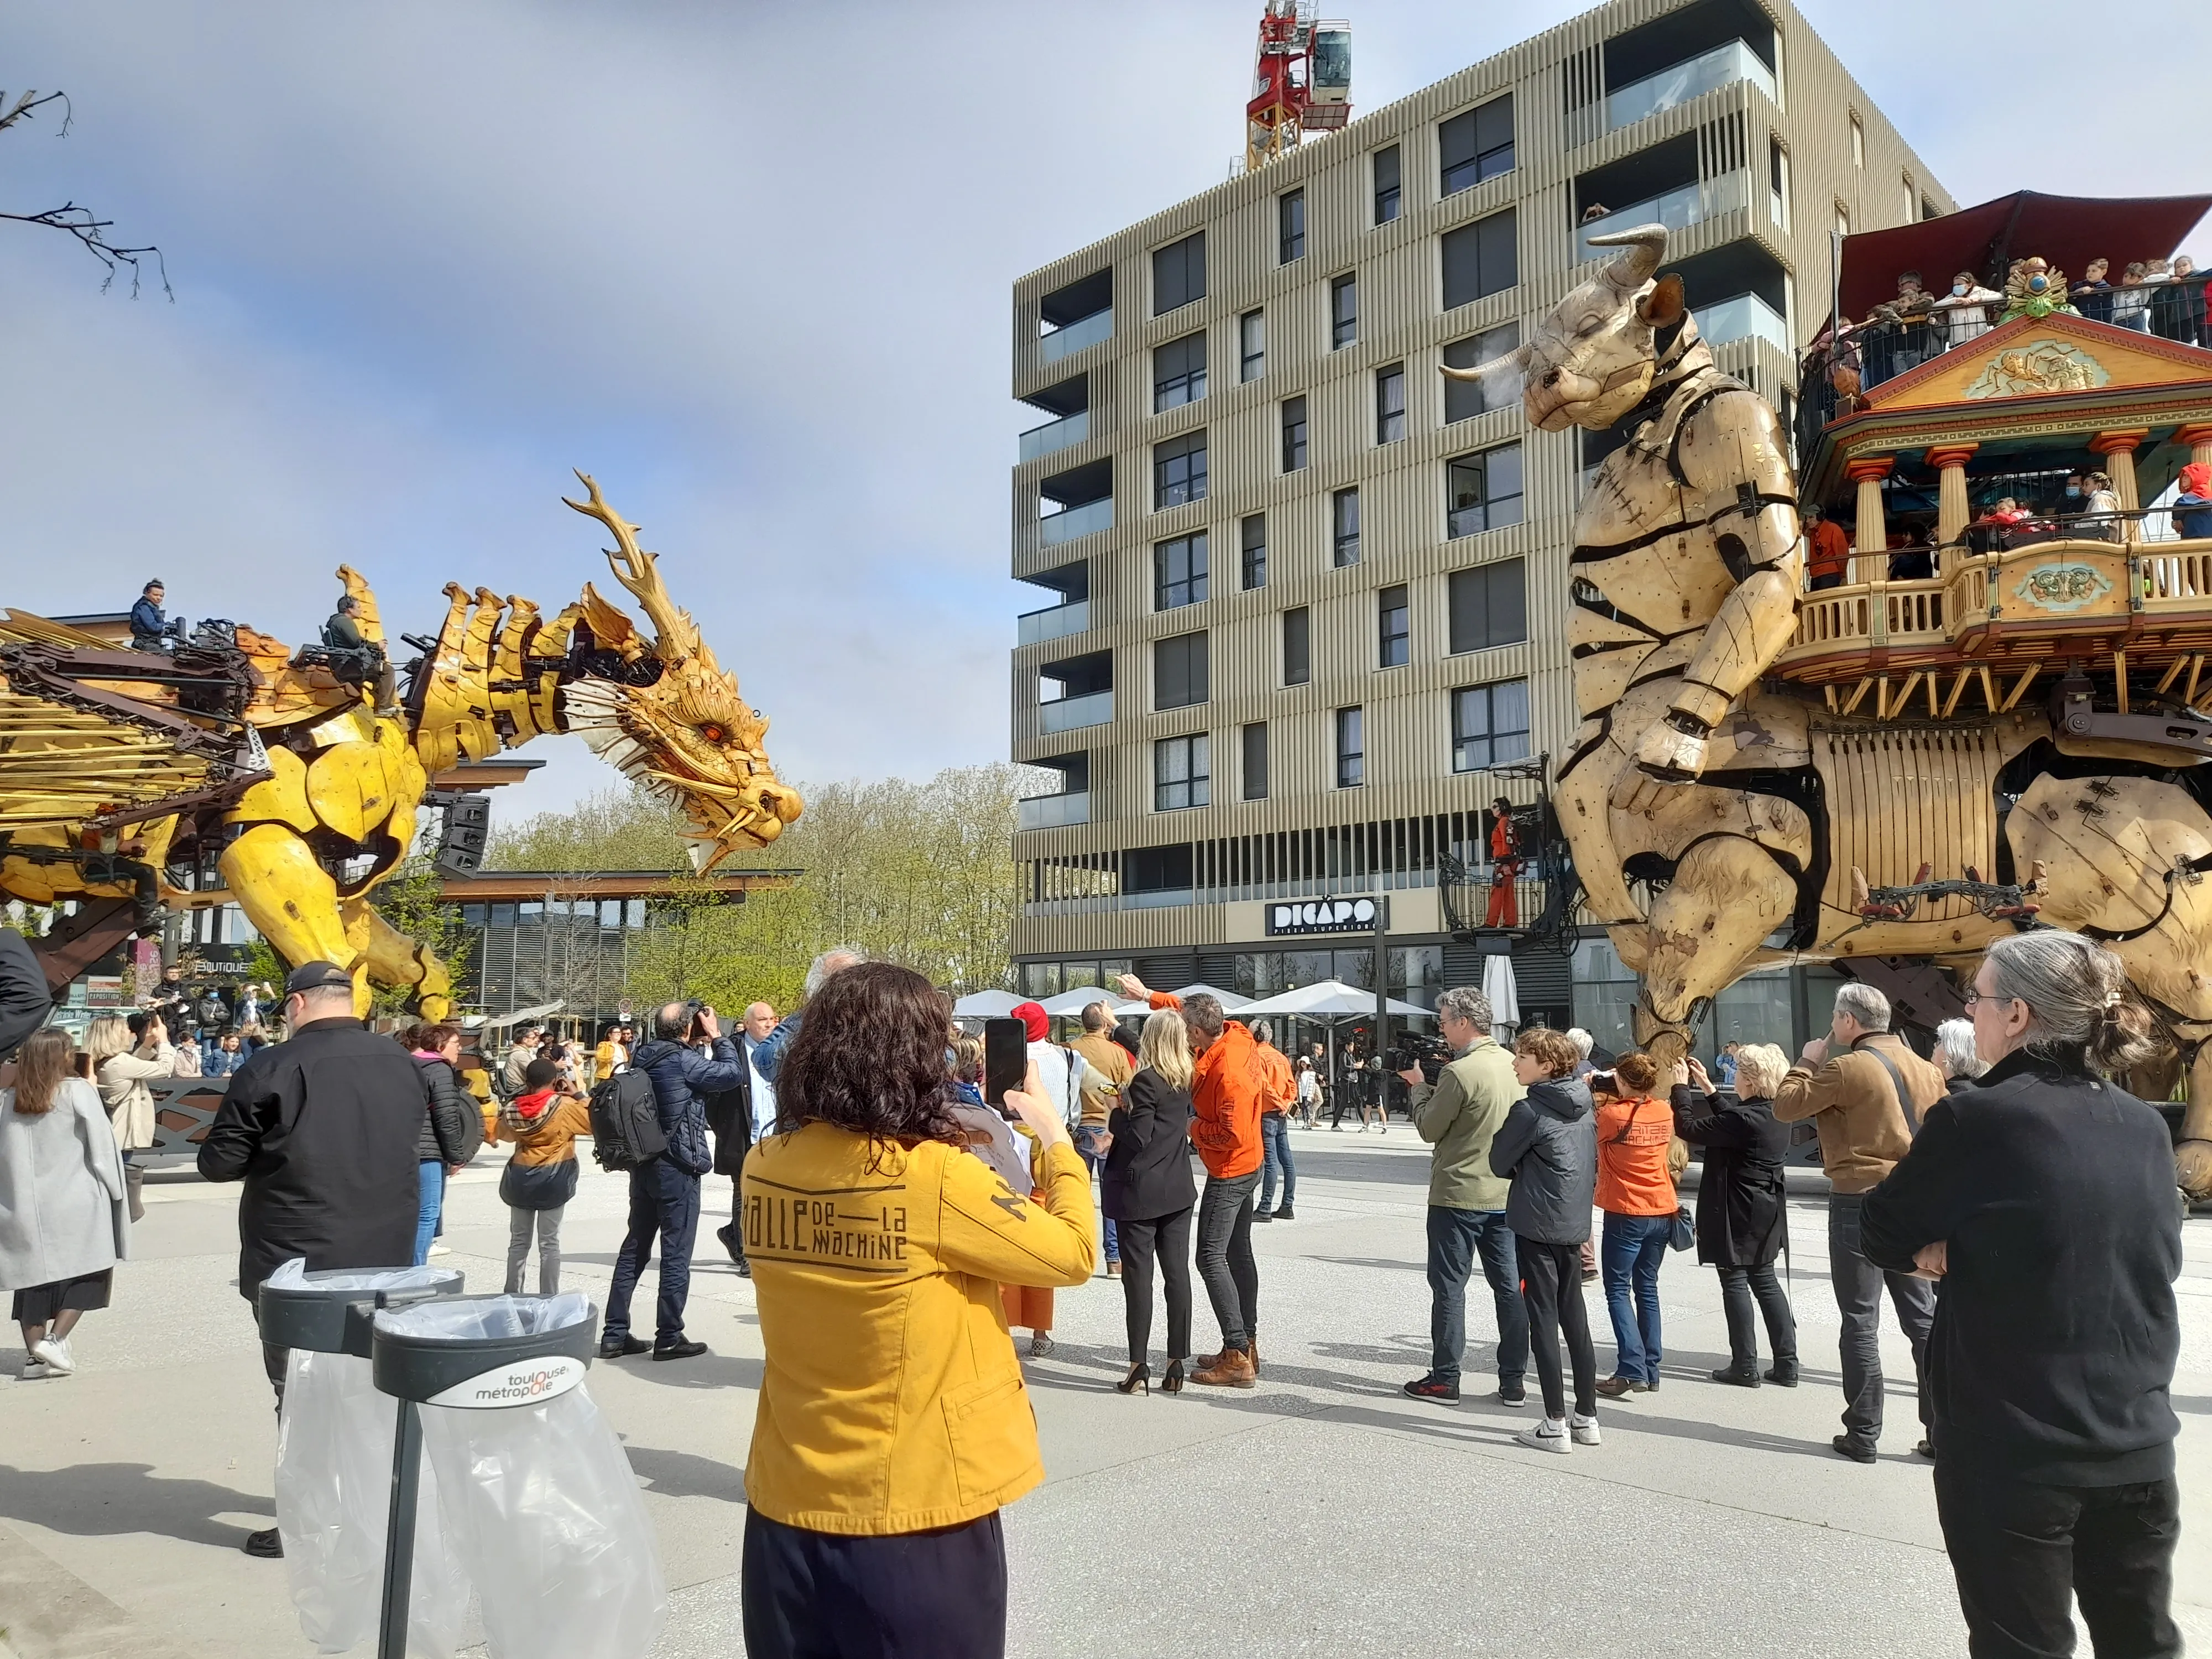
664,1190
1458,1108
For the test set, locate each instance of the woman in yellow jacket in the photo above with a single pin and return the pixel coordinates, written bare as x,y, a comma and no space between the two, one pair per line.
893,1423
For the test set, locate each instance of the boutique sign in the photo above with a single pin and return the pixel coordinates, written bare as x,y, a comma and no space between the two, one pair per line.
1340,915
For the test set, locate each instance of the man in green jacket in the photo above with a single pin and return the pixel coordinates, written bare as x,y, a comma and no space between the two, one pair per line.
1458,1115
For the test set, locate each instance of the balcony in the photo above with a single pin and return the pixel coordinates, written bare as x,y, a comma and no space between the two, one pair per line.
1677,210
1075,521
1744,317
1070,713
1722,66
1077,335
1056,812
1057,624
1056,436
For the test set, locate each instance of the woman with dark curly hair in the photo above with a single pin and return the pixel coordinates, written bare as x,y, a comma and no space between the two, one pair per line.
893,1422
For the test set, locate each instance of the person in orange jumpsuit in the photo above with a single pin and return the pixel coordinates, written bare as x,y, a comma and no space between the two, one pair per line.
1506,867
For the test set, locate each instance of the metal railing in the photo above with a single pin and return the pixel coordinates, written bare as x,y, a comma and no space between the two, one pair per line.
1722,66
1056,436
1742,317
1065,526
1054,811
1035,627
1067,713
1072,337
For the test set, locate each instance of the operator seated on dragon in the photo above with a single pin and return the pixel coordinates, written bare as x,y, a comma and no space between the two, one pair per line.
1688,560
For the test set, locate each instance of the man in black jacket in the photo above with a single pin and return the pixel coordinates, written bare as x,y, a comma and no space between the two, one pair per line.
24,1001
2045,1201
322,1128
664,1191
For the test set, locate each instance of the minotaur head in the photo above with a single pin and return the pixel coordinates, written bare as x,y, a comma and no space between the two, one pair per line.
1595,356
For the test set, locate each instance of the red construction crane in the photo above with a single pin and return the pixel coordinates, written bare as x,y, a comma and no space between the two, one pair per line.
1301,83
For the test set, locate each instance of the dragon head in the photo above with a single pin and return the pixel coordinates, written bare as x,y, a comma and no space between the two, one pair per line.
668,715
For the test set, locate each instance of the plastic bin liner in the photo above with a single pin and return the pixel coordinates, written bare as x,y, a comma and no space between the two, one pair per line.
333,1498
540,1503
292,1276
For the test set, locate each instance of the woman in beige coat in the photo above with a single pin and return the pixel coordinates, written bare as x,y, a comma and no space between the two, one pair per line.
122,1070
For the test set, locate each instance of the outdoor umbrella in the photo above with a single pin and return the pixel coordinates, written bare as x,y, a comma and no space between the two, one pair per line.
1068,1004
1229,1001
1328,999
1504,997
986,1005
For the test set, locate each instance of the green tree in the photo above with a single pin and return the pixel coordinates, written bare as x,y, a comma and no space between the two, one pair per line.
412,900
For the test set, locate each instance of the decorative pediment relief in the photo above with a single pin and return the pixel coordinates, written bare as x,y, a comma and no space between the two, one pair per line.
2034,357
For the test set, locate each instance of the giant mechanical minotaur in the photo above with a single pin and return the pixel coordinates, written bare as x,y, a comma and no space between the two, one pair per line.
299,777
1723,818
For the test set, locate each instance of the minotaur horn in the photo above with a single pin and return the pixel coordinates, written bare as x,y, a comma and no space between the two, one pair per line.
1515,361
1646,245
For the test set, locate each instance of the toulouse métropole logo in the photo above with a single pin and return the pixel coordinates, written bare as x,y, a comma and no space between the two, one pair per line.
1322,916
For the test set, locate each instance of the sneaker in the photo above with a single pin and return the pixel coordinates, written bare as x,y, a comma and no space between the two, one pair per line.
1513,1401
1040,1345
621,1347
267,1545
744,1268
1858,1451
33,1370
690,1350
1784,1373
1585,1430
727,1232
1617,1388
441,1250
1547,1436
1282,1212
1434,1388
1926,1448
1263,1215
55,1351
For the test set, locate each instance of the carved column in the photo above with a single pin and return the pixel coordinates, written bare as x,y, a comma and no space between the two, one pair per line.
2118,449
2199,440
1952,511
1872,533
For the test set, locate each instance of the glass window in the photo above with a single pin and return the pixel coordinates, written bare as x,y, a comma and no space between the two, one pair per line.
1476,146
1179,571
1386,185
1179,470
502,916
1465,399
1179,273
1298,646
1489,605
1390,403
1858,143
1483,490
1040,979
1179,671
472,916
1255,761
1351,748
1604,995
1392,615
1343,311
1489,725
1294,434
1252,532
1179,372
1480,258
1252,345
1344,527
1290,227
1182,773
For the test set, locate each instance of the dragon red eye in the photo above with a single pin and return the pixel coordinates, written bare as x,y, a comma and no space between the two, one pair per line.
711,733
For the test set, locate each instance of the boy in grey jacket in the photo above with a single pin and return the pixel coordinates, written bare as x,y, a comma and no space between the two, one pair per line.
1548,1149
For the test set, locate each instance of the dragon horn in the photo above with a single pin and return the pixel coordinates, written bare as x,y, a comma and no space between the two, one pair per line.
675,636
1646,246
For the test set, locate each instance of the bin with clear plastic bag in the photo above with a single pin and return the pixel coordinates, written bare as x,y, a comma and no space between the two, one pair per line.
535,1493
334,1452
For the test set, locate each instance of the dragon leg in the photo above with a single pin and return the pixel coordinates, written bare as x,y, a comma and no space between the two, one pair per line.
1727,895
394,959
285,893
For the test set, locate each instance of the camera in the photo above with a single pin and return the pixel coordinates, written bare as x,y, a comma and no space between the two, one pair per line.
693,1030
1431,1054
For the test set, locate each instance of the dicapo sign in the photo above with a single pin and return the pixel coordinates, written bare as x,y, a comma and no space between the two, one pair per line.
1339,915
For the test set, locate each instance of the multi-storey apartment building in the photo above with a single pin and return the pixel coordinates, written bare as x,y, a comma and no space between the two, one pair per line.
1304,591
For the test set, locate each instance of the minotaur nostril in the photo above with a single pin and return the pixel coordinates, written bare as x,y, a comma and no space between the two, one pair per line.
1553,378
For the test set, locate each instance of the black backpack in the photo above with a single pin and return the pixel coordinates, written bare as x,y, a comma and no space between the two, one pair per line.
625,1122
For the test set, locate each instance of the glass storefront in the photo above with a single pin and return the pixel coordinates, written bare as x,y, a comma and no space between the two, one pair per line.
1040,979
1786,1007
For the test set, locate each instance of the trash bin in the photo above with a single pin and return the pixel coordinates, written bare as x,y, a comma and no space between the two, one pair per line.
535,1492
334,1459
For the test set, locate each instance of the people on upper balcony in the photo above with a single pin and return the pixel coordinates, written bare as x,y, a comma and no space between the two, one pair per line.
2092,294
1827,549
1915,560
2132,300
1908,340
2093,507
2192,508
2177,306
1966,309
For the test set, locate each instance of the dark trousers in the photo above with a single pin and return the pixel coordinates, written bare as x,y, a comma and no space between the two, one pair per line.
1552,1284
1224,1256
1859,1285
664,1200
2022,1552
1167,1240
1455,1237
918,1594
1742,1288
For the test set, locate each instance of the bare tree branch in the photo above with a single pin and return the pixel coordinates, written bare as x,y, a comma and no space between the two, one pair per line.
90,232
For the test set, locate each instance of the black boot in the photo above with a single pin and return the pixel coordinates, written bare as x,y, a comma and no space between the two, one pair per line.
1784,1373
1741,1373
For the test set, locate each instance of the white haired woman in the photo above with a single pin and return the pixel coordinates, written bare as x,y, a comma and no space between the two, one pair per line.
2045,1201
1743,1209
1956,1056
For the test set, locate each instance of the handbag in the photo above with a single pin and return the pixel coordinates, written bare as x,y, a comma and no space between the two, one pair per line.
1686,1230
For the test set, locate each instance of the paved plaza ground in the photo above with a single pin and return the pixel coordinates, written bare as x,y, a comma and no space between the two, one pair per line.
1322,1513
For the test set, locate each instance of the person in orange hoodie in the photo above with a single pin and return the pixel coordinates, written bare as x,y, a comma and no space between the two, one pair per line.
1229,1086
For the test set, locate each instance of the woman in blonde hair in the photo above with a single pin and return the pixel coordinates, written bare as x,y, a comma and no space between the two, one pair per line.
1147,1187
61,1197
1743,1209
122,1066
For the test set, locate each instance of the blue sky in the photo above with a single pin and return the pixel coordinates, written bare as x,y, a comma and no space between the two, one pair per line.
428,257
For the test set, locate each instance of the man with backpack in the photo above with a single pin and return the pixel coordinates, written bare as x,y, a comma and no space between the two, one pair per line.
664,1178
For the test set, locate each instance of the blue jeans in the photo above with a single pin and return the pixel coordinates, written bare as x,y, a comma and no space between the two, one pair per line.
1629,1257
1275,1147
1085,1138
664,1200
426,1213
1455,1236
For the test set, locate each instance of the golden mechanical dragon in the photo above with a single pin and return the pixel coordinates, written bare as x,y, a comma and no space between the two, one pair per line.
300,776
